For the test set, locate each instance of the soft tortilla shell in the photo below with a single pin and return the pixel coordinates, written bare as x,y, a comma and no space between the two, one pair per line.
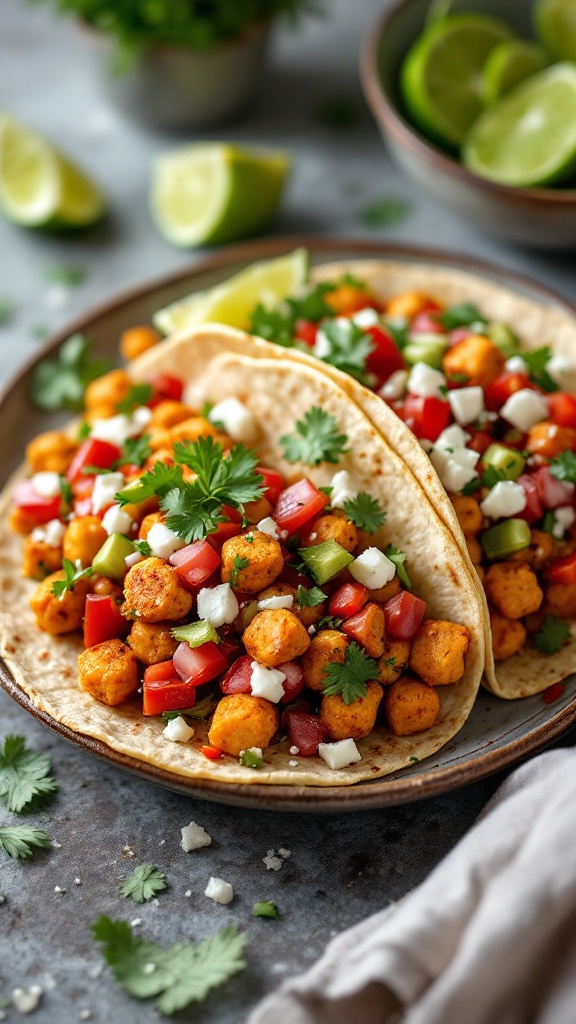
278,393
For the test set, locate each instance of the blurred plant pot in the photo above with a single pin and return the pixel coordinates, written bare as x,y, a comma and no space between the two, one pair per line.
180,88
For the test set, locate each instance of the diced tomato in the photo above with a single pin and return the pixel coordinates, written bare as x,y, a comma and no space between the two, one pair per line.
294,682
162,670
426,323
306,331
553,492
533,510
93,452
197,665
238,677
230,644
212,753
479,441
195,563
305,732
166,388
170,694
231,513
426,417
562,570
348,600
403,615
552,693
34,505
499,391
274,483
356,626
297,504
385,358
103,620
562,408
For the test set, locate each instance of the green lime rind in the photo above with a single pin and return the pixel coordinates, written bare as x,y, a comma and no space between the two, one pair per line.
508,64
555,27
528,138
440,78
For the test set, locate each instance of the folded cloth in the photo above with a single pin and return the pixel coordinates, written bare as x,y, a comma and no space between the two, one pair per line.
488,938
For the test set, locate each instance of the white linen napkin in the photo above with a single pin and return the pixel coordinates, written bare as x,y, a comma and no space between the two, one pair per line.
488,938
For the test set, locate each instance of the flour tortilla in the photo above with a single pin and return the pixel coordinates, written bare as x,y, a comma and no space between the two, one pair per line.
278,392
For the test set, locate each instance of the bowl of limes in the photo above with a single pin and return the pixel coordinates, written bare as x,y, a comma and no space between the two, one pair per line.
476,100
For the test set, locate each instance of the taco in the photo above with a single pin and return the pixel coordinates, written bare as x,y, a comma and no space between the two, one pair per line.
220,583
484,377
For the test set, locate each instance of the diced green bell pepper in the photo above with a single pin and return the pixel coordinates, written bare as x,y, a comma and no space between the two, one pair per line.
110,560
504,539
509,462
503,337
196,633
325,560
430,352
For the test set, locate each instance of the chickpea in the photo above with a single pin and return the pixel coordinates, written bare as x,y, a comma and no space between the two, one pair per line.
135,340
242,721
328,647
104,393
108,672
84,537
168,414
260,556
409,304
275,636
332,527
153,592
59,614
356,719
152,641
52,451
40,559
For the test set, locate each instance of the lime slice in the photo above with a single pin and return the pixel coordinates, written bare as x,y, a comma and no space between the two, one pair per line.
441,79
508,65
39,187
209,193
268,281
555,24
528,138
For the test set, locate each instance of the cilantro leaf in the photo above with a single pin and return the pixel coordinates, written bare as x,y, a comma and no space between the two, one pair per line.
398,557
266,908
159,480
138,395
251,760
312,305
382,213
144,882
18,841
309,598
399,332
182,974
347,347
23,774
66,492
365,512
237,566
190,514
316,439
563,466
551,636
330,622
143,547
72,573
350,679
536,361
135,450
460,315
60,383
277,325
201,710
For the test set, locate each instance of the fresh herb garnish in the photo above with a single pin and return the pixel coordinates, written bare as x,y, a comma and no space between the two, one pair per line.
251,760
365,512
182,974
536,361
159,480
60,383
73,573
400,332
135,451
143,547
138,395
563,466
382,213
309,598
6,311
144,882
316,439
551,636
66,492
390,662
266,908
398,557
347,347
65,275
201,710
414,759
349,680
460,315
24,775
19,841
238,564
329,622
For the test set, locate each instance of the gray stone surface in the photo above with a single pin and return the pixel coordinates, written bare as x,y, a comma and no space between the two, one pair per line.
341,868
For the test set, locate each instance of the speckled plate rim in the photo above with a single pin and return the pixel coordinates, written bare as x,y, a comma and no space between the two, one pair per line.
363,796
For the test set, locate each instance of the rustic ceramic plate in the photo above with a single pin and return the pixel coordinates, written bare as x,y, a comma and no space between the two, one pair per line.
497,734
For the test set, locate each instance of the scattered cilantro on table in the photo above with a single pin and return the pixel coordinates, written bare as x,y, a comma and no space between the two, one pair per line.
365,512
316,439
24,775
60,383
19,841
399,557
382,213
349,680
72,573
144,882
251,760
551,636
182,974
266,908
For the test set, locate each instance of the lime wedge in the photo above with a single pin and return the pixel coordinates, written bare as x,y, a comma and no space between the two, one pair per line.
528,138
555,25
268,281
209,193
509,64
440,78
41,188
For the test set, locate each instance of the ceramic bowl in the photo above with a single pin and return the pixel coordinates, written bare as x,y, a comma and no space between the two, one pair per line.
538,217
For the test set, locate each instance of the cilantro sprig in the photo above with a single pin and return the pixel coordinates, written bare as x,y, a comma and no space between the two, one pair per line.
365,512
399,557
24,775
536,361
72,574
266,908
309,598
144,882
563,466
60,383
462,314
316,439
551,636
137,395
158,481
182,974
347,347
349,680
238,564
19,841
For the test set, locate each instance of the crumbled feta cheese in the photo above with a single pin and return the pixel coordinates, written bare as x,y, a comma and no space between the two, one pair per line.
106,485
135,922
564,516
46,484
238,421
311,630
367,317
132,559
194,837
116,520
372,568
217,605
219,891
178,730
516,365
59,890
562,369
267,682
294,750
280,601
268,526
342,489
293,764
85,1015
77,881
505,499
524,409
26,1001
339,754
425,381
285,853
164,542
149,968
188,892
272,862
57,296
256,751
454,476
466,404
117,429
395,386
452,437
453,462
140,419
51,534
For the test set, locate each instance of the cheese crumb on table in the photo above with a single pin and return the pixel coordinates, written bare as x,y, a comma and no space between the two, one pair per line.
194,837
219,891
